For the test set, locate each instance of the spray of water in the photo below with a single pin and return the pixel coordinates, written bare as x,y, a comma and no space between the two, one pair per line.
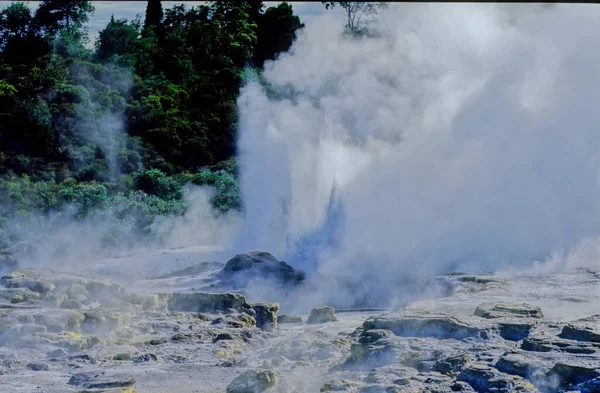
463,136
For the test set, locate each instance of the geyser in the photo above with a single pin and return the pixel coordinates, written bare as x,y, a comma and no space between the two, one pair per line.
463,136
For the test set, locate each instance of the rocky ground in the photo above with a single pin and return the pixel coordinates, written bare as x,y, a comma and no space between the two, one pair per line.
191,329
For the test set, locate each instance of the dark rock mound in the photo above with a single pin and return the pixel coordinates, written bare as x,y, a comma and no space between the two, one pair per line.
258,265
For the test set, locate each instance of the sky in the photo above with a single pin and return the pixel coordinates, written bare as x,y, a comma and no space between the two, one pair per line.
307,11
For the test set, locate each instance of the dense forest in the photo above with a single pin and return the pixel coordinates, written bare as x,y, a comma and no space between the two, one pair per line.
122,124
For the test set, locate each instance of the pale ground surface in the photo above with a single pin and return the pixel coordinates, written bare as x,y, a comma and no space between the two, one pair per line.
304,353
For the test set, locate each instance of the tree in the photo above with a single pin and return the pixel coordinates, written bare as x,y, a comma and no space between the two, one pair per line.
154,14
14,23
118,39
276,32
70,15
355,12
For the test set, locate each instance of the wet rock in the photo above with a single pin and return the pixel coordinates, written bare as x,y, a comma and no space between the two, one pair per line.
252,265
38,366
483,378
266,315
90,380
414,324
205,301
253,381
504,310
322,314
286,318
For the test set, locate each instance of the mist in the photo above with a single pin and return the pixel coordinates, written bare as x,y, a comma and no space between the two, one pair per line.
462,137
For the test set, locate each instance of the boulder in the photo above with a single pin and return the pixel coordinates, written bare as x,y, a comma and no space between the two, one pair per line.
556,344
266,315
253,381
205,301
417,324
322,314
586,329
510,310
484,378
242,268
59,320
514,330
91,380
26,279
38,366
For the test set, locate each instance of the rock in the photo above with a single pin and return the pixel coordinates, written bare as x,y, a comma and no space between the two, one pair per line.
266,315
340,385
32,328
322,314
205,301
253,381
201,267
58,320
583,330
121,357
549,344
38,366
515,331
415,324
252,265
145,358
523,365
18,295
286,318
79,293
457,283
391,374
452,364
90,380
483,378
26,279
502,310
575,372
226,336
374,335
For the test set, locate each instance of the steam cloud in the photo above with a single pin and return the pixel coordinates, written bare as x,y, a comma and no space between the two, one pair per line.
465,136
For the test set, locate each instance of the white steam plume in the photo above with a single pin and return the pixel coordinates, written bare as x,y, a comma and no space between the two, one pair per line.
464,136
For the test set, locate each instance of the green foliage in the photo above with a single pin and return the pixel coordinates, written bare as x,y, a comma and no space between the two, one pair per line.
357,14
276,32
116,133
227,191
155,182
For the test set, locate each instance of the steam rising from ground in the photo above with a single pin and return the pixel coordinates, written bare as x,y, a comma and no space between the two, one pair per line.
463,137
